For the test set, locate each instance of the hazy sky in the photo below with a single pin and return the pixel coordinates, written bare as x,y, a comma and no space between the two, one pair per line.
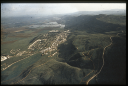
40,9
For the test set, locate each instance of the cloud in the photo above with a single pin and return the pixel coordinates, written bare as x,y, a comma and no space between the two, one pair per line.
15,9
40,9
98,6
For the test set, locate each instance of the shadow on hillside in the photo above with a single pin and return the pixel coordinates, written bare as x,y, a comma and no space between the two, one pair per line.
114,70
72,57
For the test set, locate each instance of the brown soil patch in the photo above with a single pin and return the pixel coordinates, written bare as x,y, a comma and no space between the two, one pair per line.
12,30
46,28
21,36
8,42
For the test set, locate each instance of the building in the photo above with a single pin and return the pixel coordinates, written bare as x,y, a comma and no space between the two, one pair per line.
3,58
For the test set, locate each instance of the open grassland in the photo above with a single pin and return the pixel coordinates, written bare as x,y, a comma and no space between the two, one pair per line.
20,40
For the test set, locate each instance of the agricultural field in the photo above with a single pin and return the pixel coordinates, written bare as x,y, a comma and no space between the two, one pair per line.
20,37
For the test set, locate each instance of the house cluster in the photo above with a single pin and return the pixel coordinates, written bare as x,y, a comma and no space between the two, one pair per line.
59,39
20,53
52,54
14,51
54,31
30,47
67,31
5,57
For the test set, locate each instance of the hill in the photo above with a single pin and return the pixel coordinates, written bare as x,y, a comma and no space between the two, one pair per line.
95,23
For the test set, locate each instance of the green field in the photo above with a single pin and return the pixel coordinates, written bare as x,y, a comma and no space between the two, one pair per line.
21,42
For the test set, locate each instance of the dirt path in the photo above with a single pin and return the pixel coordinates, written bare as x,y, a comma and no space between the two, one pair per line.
92,63
103,61
15,62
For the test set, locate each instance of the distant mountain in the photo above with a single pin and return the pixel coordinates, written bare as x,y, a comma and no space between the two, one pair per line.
92,25
107,12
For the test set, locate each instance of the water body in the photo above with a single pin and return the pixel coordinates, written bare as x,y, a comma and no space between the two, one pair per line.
50,24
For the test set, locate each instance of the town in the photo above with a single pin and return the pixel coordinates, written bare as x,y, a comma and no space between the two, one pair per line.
53,42
45,45
56,38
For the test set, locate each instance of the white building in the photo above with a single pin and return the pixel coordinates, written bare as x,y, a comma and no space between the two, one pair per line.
3,58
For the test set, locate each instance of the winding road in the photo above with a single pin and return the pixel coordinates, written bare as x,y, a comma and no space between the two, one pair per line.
103,61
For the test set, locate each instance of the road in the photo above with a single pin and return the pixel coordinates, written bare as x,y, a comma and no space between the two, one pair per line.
87,82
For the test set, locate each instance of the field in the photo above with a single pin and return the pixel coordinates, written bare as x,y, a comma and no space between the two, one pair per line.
20,40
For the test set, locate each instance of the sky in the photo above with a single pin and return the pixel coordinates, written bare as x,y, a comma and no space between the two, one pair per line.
43,9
